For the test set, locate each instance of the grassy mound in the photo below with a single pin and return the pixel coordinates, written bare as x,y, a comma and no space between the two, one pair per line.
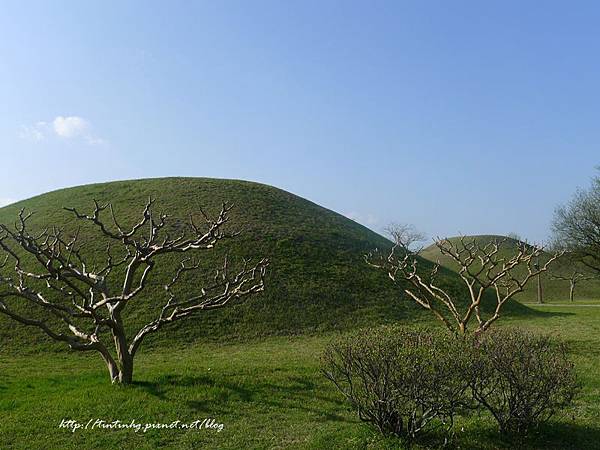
317,279
554,290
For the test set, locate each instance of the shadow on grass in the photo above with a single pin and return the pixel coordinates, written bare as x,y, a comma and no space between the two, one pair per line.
484,436
215,394
223,397
518,310
168,383
154,389
550,436
567,436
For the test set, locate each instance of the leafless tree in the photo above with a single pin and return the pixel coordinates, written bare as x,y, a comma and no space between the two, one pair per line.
513,235
574,277
481,267
576,226
570,268
540,290
405,236
80,301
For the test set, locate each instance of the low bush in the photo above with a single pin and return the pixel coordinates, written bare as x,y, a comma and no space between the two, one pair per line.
521,378
401,381
405,382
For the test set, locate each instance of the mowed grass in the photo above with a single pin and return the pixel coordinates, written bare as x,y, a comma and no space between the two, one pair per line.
268,394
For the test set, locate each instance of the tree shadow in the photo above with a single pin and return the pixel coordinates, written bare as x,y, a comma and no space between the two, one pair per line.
292,392
166,383
154,389
539,313
567,436
306,394
550,436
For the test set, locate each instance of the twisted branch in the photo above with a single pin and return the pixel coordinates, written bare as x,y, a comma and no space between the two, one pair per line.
480,267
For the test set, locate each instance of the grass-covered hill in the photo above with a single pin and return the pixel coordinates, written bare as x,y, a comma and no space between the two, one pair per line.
317,278
553,289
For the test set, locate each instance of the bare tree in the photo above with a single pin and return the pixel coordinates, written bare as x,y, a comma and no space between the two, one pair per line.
572,270
576,226
514,236
405,236
81,303
480,267
540,291
574,277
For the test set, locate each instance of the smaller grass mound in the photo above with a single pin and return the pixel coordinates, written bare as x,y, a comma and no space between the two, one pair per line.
554,290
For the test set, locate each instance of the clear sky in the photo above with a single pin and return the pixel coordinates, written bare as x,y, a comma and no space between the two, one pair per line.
472,117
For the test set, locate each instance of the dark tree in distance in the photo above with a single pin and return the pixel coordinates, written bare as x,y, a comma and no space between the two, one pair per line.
576,226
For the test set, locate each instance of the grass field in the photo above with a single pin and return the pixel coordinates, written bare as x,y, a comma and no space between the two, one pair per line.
267,393
254,367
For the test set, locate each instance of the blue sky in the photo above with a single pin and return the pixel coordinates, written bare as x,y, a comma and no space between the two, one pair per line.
458,117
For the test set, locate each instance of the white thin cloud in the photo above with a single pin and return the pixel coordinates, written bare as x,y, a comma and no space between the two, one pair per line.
70,127
63,127
369,220
35,133
94,140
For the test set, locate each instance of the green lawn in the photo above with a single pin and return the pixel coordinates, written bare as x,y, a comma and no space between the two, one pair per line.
266,391
267,394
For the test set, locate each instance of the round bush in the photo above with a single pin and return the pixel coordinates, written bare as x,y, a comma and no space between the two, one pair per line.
521,378
401,381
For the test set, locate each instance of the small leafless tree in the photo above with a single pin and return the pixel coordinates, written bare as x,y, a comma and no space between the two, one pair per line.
405,236
82,303
481,267
514,236
574,277
572,270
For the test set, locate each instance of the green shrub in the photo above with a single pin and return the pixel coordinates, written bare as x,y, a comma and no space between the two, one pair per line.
401,381
521,378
